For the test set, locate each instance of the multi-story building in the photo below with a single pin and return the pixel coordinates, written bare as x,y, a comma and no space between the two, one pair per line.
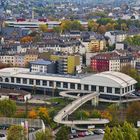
108,84
66,64
8,59
105,62
31,55
96,45
115,36
19,60
43,66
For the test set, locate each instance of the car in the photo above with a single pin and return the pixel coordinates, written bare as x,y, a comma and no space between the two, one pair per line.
91,133
81,134
3,136
99,131
71,136
86,133
75,135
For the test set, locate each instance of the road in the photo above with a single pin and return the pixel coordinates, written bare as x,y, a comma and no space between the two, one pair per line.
95,137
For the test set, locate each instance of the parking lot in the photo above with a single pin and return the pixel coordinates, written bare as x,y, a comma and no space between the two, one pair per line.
95,137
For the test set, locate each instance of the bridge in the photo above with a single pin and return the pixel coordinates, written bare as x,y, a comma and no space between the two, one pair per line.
70,108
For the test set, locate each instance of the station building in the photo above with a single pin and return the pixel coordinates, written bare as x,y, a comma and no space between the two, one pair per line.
108,84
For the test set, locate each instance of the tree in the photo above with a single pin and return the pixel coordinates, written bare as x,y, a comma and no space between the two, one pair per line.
76,25
16,132
65,25
57,29
32,114
107,135
126,132
43,27
102,29
95,114
133,113
7,108
138,132
44,115
106,115
92,26
81,114
124,27
113,110
129,132
26,39
47,135
129,70
62,134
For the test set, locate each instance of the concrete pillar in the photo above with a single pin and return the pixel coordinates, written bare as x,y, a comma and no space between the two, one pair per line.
41,83
95,101
97,88
68,85
105,89
76,87
113,90
61,85
21,81
89,87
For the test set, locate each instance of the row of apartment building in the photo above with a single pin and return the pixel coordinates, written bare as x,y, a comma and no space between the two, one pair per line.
112,61
65,64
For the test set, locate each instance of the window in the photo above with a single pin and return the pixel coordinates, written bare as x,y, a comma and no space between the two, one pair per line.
85,87
58,84
101,89
72,85
79,86
65,85
12,79
117,90
109,90
24,81
31,81
51,83
44,83
1,79
37,82
126,89
131,87
122,90
6,80
93,88
17,80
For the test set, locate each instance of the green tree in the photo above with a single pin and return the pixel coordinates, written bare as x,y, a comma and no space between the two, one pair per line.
81,114
95,114
129,132
133,113
7,108
126,132
138,132
16,132
62,134
113,110
107,135
47,135
76,25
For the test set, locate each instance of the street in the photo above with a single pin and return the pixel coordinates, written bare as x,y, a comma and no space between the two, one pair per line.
95,137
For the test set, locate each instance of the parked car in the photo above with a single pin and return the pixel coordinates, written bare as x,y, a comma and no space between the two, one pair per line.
3,136
86,133
81,134
75,135
71,136
91,133
99,131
